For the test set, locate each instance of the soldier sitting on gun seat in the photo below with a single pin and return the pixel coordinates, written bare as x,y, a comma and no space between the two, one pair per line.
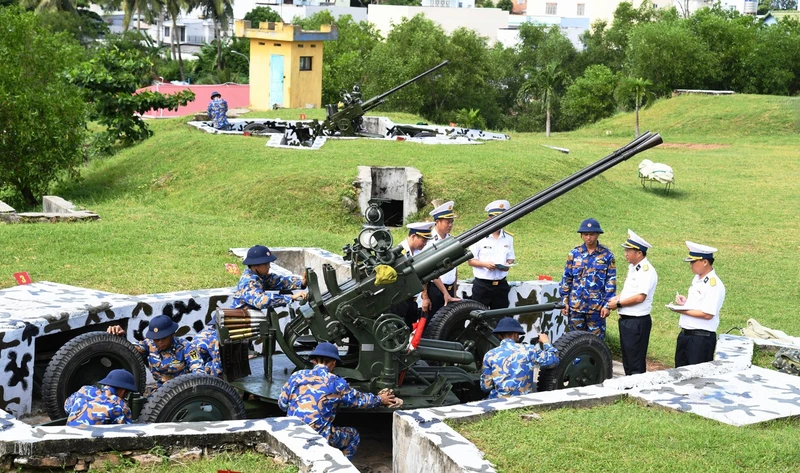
168,356
104,405
207,345
315,395
256,280
508,368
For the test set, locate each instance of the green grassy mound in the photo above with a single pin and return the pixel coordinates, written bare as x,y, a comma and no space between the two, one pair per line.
173,205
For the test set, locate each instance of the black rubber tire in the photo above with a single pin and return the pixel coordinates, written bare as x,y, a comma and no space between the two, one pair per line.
177,400
449,323
85,360
584,360
259,129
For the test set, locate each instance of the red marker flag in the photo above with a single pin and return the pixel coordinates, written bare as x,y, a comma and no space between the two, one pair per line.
23,278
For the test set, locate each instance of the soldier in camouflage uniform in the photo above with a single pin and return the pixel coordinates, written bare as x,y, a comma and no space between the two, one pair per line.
168,356
787,360
104,405
256,280
207,345
217,111
508,368
315,395
589,282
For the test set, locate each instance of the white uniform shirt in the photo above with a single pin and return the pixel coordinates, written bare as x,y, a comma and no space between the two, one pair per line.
407,249
707,295
641,279
493,250
449,277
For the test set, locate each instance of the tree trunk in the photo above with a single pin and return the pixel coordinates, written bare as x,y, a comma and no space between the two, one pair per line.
637,119
172,41
178,39
547,124
218,34
27,194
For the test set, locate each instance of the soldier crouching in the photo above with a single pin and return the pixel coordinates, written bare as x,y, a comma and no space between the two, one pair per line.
508,368
104,405
315,395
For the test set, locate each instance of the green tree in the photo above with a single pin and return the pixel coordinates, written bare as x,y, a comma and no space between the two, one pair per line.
635,90
109,81
590,97
174,8
260,14
220,12
729,37
505,5
543,85
343,65
42,117
83,25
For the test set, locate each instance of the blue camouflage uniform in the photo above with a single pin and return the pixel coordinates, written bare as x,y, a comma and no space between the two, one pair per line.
180,358
589,282
315,395
217,110
96,406
508,368
207,345
251,290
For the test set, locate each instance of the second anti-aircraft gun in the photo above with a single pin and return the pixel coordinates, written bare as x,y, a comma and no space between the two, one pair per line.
375,343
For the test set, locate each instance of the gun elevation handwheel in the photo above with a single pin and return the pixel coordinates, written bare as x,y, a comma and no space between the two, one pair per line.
391,333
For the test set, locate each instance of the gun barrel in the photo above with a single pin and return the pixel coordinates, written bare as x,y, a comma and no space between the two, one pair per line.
642,143
378,99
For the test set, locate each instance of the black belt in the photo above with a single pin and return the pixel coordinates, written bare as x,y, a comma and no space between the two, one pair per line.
492,282
621,316
698,333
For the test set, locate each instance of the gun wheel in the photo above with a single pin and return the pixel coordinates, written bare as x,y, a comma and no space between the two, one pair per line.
451,323
391,333
192,398
585,360
85,360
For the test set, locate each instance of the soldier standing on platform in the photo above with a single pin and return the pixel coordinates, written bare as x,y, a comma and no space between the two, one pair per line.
103,405
442,291
315,395
256,280
492,257
589,282
699,309
634,304
508,368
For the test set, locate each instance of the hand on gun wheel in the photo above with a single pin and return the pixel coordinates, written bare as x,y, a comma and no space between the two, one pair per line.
300,296
388,398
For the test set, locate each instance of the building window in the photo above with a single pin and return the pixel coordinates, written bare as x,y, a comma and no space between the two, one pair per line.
166,32
581,9
305,63
550,8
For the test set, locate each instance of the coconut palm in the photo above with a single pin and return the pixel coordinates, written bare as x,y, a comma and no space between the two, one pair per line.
542,84
174,8
220,12
637,90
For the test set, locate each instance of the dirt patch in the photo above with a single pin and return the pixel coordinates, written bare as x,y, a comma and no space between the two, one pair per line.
692,146
653,365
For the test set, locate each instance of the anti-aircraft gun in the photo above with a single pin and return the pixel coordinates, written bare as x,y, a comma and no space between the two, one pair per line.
348,121
356,316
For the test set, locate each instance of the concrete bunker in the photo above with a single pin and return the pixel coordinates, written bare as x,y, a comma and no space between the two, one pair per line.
400,187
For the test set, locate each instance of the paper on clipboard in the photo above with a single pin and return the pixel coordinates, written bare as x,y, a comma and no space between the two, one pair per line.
674,307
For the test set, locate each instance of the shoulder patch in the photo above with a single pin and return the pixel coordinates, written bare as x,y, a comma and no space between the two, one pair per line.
508,233
713,282
646,267
193,355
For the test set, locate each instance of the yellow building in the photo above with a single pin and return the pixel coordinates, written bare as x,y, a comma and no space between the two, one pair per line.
285,64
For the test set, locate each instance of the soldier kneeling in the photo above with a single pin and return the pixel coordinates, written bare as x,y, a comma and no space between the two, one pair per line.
508,368
104,405
315,395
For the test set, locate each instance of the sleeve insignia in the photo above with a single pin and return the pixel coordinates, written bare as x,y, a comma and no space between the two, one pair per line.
713,282
193,355
646,267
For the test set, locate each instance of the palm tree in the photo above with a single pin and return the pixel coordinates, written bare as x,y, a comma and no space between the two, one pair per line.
220,12
150,9
637,89
174,8
50,5
542,85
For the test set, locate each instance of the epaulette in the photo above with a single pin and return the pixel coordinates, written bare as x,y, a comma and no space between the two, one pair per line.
508,233
646,267
713,282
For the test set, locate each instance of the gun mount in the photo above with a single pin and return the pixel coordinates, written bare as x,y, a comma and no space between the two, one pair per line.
375,343
348,120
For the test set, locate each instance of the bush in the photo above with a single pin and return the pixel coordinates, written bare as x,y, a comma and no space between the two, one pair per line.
42,116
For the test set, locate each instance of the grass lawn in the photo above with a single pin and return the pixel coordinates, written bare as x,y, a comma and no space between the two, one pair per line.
626,436
246,462
172,206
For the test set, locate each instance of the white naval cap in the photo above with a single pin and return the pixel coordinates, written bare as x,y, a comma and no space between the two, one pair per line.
698,251
636,242
497,207
421,229
443,211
